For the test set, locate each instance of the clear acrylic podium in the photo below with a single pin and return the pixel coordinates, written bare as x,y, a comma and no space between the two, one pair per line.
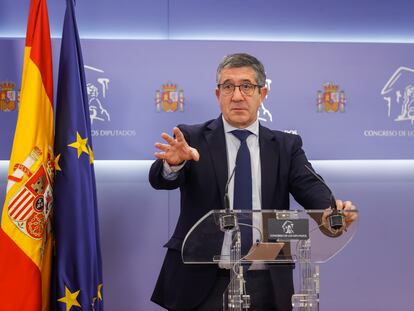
303,237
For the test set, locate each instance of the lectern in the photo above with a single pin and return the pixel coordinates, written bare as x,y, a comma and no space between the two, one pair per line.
301,237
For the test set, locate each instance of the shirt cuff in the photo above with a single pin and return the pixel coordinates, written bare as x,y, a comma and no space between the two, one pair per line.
170,172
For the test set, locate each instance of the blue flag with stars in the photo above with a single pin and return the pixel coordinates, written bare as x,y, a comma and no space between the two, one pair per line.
77,264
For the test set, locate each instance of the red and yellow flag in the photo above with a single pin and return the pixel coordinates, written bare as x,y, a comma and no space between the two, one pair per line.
25,234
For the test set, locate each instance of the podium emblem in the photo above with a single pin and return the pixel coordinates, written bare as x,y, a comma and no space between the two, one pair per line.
285,230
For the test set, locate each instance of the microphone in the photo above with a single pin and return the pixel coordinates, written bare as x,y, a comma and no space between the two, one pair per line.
335,219
228,221
226,190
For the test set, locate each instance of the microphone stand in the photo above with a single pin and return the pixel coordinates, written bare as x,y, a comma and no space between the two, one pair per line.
308,297
235,298
228,221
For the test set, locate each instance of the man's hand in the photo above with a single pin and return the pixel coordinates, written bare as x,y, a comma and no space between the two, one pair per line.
176,150
347,209
349,216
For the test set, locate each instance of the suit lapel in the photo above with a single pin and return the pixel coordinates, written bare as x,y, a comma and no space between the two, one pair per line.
269,160
216,142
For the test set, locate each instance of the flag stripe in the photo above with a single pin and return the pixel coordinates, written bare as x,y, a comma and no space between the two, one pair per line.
24,210
41,56
21,205
23,195
31,22
20,278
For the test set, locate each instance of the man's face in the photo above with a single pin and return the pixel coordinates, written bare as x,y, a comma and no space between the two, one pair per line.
240,110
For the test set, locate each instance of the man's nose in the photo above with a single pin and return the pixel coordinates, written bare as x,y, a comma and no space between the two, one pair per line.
237,94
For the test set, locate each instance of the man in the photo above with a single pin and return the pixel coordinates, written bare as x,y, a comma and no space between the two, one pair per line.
199,160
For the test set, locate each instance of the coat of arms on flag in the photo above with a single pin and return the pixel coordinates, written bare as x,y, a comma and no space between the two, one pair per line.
30,207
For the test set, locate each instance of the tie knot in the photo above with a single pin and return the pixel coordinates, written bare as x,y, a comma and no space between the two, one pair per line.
241,134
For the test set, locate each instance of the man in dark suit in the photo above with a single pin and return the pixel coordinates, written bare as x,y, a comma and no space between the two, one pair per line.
199,160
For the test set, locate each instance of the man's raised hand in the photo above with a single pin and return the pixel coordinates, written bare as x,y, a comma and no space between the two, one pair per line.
176,150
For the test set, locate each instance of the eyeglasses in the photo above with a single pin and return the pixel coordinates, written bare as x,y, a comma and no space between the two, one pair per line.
245,88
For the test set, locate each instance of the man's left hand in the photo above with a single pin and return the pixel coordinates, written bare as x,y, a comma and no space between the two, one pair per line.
349,211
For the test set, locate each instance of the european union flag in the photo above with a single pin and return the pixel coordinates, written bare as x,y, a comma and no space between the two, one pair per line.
77,266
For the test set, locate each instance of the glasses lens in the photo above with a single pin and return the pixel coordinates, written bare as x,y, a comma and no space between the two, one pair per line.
247,88
227,88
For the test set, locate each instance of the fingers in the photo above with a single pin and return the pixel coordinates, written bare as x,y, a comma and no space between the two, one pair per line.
339,204
352,215
346,205
179,135
162,147
170,140
194,153
160,155
348,211
181,139
175,150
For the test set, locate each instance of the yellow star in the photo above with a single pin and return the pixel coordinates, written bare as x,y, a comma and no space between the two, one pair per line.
99,291
56,163
91,158
80,144
70,299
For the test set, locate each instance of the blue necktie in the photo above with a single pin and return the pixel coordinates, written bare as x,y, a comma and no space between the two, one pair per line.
242,199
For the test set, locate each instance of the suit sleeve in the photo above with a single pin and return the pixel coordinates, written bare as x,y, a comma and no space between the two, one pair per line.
307,190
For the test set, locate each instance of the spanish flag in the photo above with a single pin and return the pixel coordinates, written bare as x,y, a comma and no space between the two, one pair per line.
25,234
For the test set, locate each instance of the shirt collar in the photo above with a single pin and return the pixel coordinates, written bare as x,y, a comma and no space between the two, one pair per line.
253,128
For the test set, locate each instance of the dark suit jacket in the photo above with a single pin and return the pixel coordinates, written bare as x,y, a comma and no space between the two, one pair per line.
202,185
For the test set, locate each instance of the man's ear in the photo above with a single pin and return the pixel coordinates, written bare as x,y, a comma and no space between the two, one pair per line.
217,92
263,92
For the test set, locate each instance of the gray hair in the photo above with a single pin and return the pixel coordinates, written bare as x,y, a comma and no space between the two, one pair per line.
243,60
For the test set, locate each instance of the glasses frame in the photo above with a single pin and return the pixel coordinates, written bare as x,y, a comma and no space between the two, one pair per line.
238,86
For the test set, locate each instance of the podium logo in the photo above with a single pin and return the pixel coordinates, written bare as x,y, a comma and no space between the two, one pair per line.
288,227
331,99
398,94
169,99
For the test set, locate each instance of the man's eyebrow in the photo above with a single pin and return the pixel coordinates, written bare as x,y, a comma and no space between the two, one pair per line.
242,81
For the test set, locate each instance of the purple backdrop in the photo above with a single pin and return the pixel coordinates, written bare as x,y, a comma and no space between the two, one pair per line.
374,117
372,273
